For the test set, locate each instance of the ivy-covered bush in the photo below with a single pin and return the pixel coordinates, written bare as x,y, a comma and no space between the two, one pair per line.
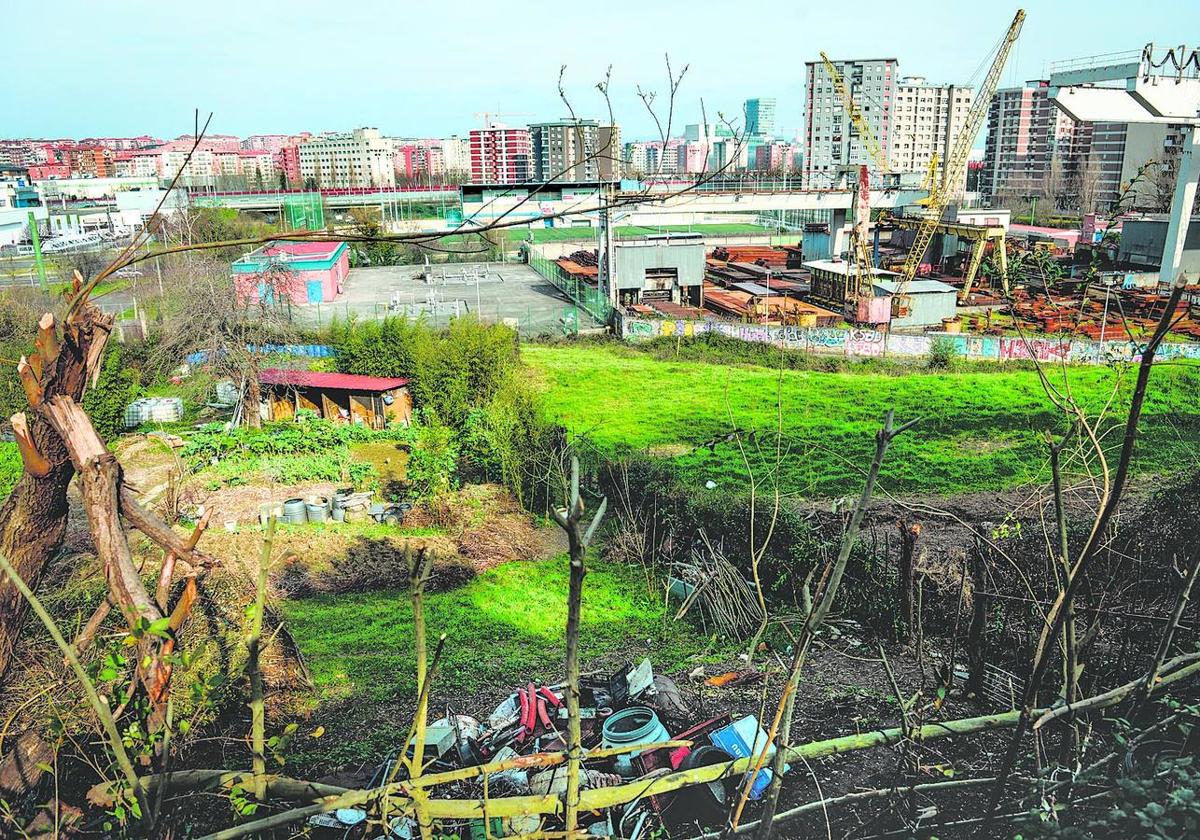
10,467
117,387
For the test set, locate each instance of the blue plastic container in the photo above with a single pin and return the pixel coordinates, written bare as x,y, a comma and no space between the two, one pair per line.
741,739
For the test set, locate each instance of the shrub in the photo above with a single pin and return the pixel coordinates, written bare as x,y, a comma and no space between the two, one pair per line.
942,353
454,371
117,387
433,460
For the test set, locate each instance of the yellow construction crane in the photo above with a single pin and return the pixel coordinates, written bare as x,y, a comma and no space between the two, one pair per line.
864,280
931,182
856,116
954,172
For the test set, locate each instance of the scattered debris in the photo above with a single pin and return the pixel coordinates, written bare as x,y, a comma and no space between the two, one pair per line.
733,678
632,714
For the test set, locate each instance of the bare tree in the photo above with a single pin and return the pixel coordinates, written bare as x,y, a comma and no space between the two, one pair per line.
1087,185
232,324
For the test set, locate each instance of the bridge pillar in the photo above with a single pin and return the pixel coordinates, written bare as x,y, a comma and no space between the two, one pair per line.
837,232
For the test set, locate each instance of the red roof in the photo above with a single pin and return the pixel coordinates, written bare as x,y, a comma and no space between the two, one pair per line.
337,381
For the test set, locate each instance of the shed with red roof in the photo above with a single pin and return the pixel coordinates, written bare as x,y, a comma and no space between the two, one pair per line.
372,401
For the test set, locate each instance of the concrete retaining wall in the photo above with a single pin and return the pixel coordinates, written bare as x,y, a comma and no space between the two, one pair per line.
865,343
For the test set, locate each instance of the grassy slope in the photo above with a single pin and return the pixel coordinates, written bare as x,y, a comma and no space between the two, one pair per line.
978,431
504,628
505,624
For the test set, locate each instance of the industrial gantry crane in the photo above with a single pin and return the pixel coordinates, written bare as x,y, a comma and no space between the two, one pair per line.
954,172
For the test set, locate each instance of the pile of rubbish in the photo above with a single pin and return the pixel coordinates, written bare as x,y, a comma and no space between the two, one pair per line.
619,714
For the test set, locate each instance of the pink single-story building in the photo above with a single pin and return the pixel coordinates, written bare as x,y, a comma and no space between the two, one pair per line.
304,272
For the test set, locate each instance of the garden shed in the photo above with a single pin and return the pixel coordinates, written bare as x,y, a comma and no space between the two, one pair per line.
372,401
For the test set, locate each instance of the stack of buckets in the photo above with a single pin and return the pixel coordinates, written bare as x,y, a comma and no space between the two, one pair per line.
299,511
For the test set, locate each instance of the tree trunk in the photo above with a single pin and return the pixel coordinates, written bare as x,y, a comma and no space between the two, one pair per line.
33,520
908,542
253,397
976,635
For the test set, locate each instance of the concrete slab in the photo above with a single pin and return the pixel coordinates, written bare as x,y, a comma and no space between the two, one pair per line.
511,293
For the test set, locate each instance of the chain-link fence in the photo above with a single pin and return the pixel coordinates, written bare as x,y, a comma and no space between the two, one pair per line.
590,299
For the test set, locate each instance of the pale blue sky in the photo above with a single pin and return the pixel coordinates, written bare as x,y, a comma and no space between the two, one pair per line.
123,67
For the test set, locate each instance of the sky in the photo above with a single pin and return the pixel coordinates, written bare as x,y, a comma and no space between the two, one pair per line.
128,67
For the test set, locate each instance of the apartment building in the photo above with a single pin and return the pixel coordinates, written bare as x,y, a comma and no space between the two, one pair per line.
926,120
831,142
911,119
456,155
1034,149
501,155
576,150
777,156
1030,144
362,158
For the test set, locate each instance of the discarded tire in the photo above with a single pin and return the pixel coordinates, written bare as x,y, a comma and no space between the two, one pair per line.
709,802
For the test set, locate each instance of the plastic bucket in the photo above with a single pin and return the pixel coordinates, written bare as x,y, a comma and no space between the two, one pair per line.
743,738
635,725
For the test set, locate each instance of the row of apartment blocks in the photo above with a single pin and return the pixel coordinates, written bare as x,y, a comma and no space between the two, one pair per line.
1034,150
911,119
361,158
719,147
578,150
561,150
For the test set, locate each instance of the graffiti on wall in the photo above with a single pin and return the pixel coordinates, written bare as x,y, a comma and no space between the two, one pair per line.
872,343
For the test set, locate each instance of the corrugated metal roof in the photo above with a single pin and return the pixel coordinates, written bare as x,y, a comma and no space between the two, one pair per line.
916,287
336,381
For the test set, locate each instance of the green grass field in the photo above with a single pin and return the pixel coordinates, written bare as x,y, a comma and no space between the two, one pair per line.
978,430
503,629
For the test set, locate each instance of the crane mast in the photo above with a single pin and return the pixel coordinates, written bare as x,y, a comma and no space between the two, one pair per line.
955,168
864,275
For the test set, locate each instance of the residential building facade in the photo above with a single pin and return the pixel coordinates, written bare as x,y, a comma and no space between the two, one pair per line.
501,155
575,150
363,158
1030,144
831,142
926,121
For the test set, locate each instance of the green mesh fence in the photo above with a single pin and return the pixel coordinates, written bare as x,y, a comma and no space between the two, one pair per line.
304,212
588,298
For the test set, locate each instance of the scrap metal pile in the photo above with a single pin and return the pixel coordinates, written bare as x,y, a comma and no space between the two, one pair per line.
1099,312
581,265
635,727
